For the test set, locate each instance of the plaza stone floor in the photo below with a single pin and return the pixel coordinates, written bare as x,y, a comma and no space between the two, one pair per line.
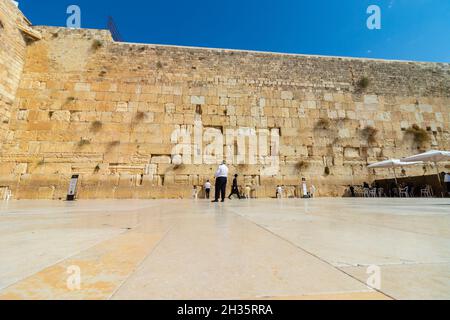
248,249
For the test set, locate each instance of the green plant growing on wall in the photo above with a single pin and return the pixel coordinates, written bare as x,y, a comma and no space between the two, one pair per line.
323,124
96,126
159,65
140,116
70,100
178,166
420,136
301,165
363,83
83,142
96,44
112,145
242,167
370,134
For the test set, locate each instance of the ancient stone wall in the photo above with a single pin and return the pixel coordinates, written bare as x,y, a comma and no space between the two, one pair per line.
12,55
108,111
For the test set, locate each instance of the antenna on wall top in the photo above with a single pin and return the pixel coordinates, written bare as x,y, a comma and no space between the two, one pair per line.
114,30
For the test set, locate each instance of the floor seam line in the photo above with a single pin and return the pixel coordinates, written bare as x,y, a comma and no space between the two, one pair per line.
313,255
140,264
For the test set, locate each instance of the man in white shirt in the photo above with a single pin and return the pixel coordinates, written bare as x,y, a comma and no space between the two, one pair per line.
207,189
447,181
221,182
279,192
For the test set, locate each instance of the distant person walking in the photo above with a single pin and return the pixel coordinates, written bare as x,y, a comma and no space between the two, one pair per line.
221,182
447,181
235,188
207,189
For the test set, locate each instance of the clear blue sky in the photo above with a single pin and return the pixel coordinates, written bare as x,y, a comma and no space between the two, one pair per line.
411,29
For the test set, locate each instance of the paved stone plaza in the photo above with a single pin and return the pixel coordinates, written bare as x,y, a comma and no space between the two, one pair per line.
268,249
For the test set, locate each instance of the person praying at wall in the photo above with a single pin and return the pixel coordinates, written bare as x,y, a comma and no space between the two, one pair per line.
248,192
221,182
304,188
235,188
279,192
195,193
447,182
312,191
207,189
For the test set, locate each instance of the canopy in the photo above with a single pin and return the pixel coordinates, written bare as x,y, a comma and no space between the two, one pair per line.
430,156
392,163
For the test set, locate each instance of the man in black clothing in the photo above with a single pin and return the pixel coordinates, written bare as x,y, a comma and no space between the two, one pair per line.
235,188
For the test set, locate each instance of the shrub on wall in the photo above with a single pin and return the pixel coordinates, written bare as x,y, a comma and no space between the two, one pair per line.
96,126
301,165
363,83
96,44
83,142
112,145
370,134
323,124
420,136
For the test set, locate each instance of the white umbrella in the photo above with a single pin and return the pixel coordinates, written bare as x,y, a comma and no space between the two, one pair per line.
434,156
392,163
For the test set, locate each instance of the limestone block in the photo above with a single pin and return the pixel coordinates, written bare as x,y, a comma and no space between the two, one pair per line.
82,87
61,116
287,95
262,102
383,116
425,108
344,133
351,153
197,100
408,108
22,115
21,168
150,169
161,160
371,102
7,169
328,97
122,106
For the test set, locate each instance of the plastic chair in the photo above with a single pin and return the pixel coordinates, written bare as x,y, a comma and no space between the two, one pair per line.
404,192
427,192
366,192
